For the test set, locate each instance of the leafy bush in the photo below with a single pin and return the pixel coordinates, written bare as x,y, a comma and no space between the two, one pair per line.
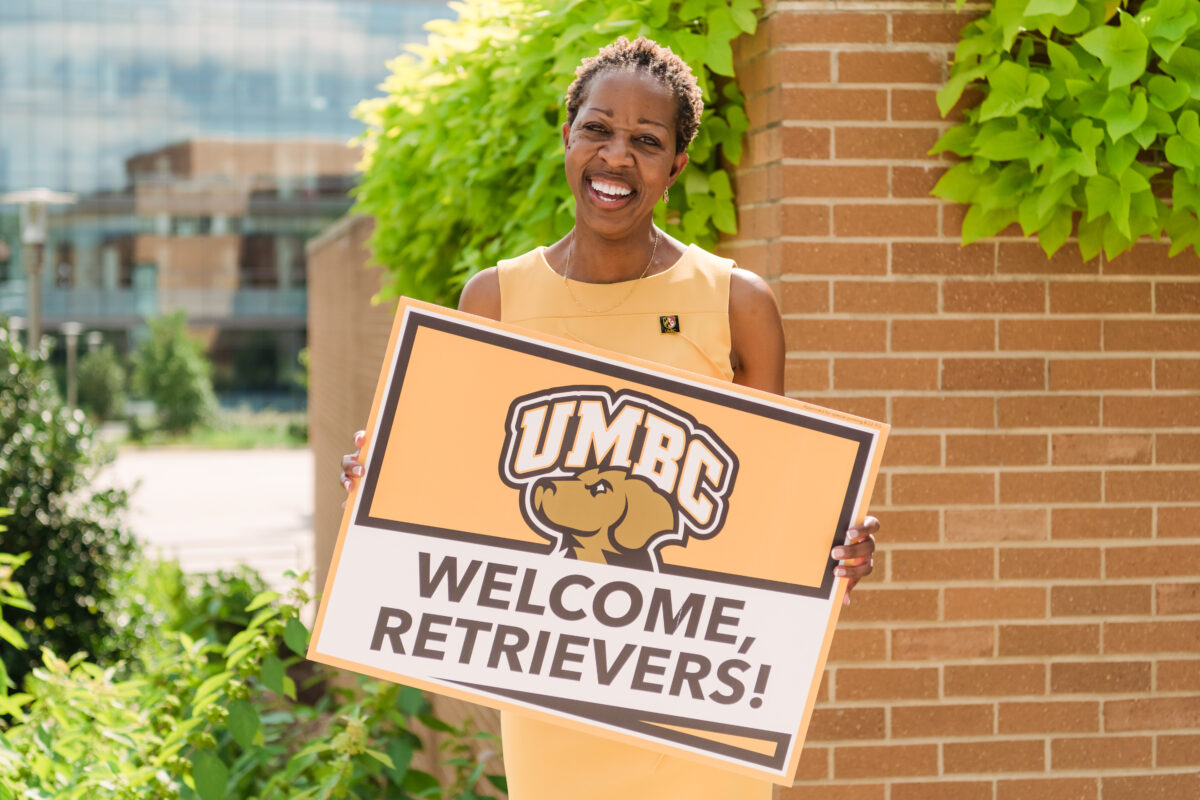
170,368
79,550
1089,118
464,155
101,379
211,718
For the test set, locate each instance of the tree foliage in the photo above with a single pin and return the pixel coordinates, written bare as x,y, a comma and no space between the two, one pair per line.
78,548
170,368
1088,123
102,383
463,157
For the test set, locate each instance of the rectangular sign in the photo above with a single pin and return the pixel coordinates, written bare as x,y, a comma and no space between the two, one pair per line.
627,548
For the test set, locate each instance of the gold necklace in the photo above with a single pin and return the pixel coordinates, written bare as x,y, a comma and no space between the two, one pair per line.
622,301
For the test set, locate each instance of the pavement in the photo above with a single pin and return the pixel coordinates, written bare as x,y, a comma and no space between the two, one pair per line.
213,509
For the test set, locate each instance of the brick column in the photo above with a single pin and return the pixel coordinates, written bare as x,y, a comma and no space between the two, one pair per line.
1033,626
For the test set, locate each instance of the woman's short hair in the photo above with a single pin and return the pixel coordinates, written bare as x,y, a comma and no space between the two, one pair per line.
644,55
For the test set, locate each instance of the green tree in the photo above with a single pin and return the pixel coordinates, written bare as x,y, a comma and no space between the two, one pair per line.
102,383
170,368
463,161
78,549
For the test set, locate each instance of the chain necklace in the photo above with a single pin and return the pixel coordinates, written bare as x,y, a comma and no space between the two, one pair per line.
622,301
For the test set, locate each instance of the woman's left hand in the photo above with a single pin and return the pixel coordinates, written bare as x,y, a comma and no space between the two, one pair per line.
856,557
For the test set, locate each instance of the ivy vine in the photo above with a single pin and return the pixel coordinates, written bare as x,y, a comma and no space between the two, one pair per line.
463,156
1088,123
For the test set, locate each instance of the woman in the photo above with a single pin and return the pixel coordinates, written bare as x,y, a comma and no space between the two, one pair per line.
618,282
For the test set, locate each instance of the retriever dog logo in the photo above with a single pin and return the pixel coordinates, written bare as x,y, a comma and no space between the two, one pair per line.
614,476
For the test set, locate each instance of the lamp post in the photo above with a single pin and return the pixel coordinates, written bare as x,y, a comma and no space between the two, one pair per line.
71,330
34,219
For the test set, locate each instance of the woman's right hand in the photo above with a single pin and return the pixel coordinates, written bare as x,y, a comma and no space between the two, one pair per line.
352,468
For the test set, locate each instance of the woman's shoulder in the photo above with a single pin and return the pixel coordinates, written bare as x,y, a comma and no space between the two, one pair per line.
481,294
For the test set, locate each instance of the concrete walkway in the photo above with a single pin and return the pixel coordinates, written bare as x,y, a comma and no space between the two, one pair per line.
212,509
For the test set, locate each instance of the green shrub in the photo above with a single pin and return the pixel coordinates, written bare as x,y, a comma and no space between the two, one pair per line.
101,379
215,718
464,155
79,549
170,368
1088,120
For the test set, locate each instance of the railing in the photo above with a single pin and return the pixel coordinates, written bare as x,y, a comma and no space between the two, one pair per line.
113,305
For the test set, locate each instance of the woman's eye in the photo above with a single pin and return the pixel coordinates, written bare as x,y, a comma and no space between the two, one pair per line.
650,140
594,127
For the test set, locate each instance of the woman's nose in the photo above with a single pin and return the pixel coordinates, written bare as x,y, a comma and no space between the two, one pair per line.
617,151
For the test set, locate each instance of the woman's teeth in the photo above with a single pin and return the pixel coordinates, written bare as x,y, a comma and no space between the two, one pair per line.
611,189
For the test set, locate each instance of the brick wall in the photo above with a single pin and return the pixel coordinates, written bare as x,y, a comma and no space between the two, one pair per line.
1033,626
347,337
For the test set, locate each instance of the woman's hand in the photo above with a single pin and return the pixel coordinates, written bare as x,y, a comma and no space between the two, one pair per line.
855,558
352,468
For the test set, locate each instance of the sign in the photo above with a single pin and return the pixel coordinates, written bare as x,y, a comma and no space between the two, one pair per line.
639,551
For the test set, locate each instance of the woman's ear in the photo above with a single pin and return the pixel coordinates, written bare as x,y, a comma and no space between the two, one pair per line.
566,131
681,160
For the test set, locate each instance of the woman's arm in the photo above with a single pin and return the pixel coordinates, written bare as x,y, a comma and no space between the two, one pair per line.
755,333
758,353
481,295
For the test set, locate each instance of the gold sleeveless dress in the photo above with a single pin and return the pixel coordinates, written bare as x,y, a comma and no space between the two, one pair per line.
544,761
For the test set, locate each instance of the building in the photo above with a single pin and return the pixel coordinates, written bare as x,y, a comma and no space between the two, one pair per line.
206,143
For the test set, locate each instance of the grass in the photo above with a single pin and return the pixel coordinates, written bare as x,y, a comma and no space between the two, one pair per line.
234,429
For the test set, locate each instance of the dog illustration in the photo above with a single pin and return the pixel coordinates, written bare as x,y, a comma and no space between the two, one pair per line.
605,515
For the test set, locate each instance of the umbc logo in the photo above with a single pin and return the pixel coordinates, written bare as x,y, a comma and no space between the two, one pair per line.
613,476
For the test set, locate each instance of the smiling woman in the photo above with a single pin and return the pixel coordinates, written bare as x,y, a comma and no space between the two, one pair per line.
618,282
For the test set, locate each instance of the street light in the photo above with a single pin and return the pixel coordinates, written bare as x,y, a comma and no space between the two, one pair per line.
34,222
71,330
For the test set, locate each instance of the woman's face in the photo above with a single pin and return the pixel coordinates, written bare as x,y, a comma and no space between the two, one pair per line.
620,151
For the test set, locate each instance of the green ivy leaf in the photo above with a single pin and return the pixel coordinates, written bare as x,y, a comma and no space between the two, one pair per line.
1184,66
1123,115
210,775
243,723
1166,93
1059,8
1054,234
695,183
720,57
1051,196
1167,24
743,14
979,224
719,185
959,184
958,140
1184,193
1120,155
949,94
1122,49
1101,192
1077,21
1011,88
1091,238
1007,145
724,216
